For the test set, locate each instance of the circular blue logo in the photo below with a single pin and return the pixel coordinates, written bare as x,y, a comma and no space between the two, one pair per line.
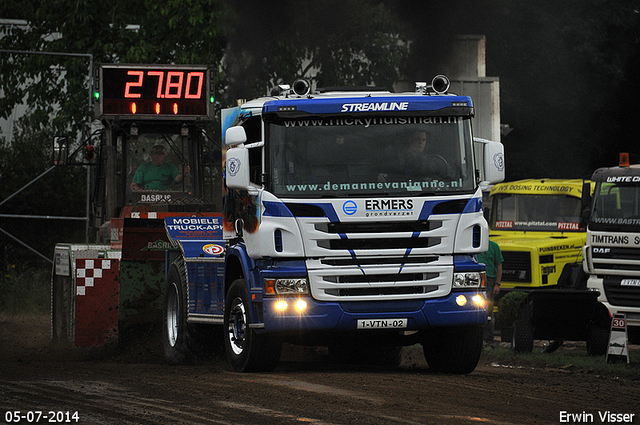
498,161
233,166
349,208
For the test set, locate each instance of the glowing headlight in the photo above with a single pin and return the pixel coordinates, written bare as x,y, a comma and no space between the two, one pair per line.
294,286
478,300
468,280
301,305
283,305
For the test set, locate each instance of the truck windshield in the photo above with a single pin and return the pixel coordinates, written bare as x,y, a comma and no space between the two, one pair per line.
368,156
616,206
545,213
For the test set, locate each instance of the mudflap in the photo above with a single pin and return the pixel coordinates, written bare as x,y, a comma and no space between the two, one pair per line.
142,276
141,286
561,314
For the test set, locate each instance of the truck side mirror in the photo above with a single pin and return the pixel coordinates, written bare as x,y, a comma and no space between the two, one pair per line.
586,204
237,168
586,195
235,136
493,162
60,151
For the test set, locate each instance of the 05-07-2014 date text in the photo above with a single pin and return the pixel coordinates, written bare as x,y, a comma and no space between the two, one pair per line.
40,416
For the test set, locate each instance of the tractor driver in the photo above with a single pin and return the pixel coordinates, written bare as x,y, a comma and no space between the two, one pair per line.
157,174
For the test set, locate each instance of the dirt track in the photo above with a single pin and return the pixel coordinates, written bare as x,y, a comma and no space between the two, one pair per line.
134,386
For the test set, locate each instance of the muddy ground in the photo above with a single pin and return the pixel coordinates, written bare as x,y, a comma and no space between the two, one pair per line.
132,385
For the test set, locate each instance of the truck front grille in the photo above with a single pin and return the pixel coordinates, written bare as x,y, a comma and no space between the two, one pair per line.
516,267
365,236
337,244
380,260
616,260
619,295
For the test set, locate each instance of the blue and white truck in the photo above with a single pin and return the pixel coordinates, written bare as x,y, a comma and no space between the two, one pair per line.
351,219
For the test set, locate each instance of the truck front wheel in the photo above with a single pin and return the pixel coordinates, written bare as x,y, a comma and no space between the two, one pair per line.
597,339
453,350
247,351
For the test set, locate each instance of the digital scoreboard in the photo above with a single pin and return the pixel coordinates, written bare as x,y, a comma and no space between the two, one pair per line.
154,91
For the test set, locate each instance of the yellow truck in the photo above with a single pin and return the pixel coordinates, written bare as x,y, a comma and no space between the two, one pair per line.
537,225
540,226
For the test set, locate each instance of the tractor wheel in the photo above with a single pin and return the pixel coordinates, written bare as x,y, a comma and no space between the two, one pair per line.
176,332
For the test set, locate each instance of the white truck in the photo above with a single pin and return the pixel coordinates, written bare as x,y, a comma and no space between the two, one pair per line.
612,251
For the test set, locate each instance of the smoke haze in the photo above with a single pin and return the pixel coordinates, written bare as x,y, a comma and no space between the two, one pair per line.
566,69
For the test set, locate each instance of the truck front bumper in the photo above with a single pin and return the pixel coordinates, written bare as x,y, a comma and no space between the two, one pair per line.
632,313
456,309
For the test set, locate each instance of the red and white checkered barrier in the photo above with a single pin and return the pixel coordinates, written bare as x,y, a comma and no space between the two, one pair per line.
96,318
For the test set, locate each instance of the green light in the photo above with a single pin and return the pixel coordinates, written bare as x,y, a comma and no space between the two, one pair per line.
96,95
212,99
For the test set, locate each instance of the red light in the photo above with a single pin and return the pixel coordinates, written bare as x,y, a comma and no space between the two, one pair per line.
624,159
134,107
90,152
157,109
175,109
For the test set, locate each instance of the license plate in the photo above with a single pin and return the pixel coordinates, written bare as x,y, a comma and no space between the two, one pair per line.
630,282
382,323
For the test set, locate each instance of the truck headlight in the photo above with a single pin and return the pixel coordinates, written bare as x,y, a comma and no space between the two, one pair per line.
468,280
290,286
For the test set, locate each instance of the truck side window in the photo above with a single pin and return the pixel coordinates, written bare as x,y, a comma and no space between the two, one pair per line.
253,128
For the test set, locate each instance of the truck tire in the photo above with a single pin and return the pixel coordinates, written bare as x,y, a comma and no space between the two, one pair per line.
176,332
597,340
522,338
453,350
247,351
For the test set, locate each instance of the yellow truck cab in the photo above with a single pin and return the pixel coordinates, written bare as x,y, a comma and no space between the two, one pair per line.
537,225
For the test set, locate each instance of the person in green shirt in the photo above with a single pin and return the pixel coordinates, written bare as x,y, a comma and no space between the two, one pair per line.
492,259
157,174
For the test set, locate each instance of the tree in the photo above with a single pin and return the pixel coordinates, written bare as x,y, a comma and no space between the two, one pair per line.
331,43
56,91
325,41
175,31
60,192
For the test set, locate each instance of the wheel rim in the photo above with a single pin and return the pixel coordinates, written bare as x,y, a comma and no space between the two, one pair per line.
237,326
172,315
